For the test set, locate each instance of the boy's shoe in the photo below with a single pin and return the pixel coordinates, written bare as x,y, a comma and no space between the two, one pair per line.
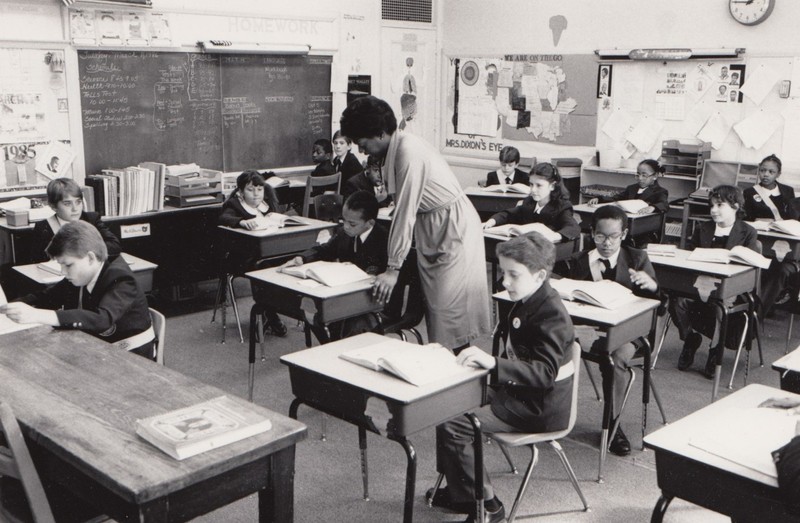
690,346
275,327
711,364
620,445
441,499
497,515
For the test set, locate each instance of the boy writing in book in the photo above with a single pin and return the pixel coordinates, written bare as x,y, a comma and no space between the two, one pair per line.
97,295
610,260
361,241
65,197
508,173
726,230
532,388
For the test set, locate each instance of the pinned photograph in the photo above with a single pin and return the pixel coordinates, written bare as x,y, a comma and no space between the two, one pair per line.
722,93
604,80
54,160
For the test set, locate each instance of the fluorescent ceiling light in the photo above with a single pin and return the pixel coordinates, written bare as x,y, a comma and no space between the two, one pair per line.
225,46
670,54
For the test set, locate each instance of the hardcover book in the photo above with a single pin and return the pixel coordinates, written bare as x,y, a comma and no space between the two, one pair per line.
331,274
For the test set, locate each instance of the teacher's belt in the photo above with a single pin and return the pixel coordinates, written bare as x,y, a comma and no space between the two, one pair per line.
137,340
565,371
445,204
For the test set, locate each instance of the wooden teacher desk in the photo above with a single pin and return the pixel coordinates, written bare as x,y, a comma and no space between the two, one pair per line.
616,327
315,304
78,399
708,282
690,473
325,382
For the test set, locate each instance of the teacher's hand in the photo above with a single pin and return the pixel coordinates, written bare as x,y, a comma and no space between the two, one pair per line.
384,285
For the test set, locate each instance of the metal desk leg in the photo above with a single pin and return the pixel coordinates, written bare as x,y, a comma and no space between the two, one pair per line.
362,445
661,508
477,442
723,330
411,480
608,411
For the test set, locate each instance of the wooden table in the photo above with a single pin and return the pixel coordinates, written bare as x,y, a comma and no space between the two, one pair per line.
779,246
488,203
325,382
637,224
315,304
705,479
617,327
788,366
77,400
564,249
142,271
272,242
681,277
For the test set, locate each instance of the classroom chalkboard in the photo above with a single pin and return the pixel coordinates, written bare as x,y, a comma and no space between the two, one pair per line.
226,112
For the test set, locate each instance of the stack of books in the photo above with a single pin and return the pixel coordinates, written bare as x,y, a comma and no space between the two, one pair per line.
129,191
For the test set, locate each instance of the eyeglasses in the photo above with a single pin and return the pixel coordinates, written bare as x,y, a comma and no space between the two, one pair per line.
601,238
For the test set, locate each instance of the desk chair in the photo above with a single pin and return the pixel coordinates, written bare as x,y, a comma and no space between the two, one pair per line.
159,325
318,185
328,207
16,462
225,293
406,307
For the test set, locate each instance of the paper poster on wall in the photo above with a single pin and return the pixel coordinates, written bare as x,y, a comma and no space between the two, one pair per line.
109,26
54,160
81,27
760,82
756,129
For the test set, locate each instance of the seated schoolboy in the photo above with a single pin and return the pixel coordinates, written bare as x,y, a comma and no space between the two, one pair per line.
321,154
646,189
548,204
245,208
725,231
98,295
65,197
627,266
370,180
344,161
532,389
508,172
359,240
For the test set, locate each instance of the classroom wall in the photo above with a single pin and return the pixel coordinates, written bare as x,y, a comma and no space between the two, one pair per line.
483,27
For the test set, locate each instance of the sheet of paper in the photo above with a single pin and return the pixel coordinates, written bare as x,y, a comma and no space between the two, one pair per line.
790,153
700,80
794,91
759,83
756,129
697,117
715,130
618,125
506,77
477,115
669,107
630,87
645,134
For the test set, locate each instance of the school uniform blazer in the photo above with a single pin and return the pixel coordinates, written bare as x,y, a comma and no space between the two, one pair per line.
43,234
325,168
493,178
758,209
556,214
349,167
629,258
654,195
362,183
741,234
233,212
371,257
526,393
116,309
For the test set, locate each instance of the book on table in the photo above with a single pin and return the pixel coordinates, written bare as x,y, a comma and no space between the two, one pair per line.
517,188
661,249
51,266
276,181
331,274
189,431
509,230
739,254
607,294
790,227
416,364
631,206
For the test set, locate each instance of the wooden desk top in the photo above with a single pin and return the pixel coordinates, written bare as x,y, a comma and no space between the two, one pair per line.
79,398
681,261
479,191
789,361
586,208
312,225
325,360
675,437
307,286
44,277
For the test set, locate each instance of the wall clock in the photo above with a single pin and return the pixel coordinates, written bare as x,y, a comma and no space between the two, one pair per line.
751,12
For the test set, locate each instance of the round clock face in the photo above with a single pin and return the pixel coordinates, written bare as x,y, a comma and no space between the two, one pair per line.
750,12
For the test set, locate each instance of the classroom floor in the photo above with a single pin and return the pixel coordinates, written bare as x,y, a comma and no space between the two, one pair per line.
328,480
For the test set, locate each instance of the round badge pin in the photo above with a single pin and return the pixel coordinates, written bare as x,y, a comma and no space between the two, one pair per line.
516,323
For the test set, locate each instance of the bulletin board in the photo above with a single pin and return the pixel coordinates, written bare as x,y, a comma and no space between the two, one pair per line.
34,116
520,100
697,101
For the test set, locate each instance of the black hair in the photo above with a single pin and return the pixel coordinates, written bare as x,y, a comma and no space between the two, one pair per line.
325,144
609,212
653,164
364,202
773,158
509,154
367,117
532,250
257,179
727,194
549,172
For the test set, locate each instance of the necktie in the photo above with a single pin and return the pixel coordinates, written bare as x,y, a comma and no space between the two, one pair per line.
607,272
357,244
337,165
508,180
80,297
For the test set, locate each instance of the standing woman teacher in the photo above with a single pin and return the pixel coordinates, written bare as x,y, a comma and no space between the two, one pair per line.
430,208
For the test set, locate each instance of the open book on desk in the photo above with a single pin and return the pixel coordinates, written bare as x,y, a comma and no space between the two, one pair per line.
516,188
631,206
331,274
189,431
790,227
8,325
416,364
662,249
509,230
51,266
604,293
739,254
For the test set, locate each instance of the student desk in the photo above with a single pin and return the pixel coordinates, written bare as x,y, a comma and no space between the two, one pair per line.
788,366
272,242
77,400
325,382
564,249
710,481
489,203
708,282
779,246
638,224
142,271
315,304
618,326
692,208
